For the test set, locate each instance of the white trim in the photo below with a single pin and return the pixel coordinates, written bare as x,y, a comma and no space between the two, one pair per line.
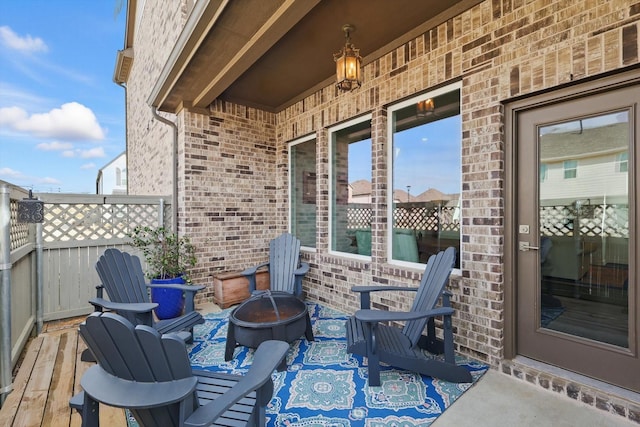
392,109
331,131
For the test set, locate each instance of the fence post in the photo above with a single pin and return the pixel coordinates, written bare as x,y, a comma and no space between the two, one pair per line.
5,293
39,279
161,214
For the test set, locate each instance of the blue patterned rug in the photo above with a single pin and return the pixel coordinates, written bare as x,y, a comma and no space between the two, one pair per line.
325,386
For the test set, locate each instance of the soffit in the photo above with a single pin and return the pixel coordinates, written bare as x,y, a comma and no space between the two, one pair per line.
270,54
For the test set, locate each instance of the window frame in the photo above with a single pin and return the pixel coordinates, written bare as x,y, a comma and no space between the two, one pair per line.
390,149
566,169
622,159
290,144
330,133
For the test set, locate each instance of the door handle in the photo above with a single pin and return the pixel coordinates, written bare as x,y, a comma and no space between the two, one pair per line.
524,246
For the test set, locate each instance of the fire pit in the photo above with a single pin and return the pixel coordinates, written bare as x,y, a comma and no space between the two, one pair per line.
267,316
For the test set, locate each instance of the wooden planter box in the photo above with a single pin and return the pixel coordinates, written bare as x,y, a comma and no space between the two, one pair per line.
233,288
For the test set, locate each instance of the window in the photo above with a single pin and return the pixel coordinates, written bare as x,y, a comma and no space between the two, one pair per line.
350,169
622,162
570,169
424,204
302,186
544,172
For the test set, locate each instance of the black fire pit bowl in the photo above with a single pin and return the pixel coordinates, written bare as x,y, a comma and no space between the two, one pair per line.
267,316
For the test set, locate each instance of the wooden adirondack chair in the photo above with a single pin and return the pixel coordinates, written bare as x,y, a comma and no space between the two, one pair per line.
150,374
122,277
403,347
285,269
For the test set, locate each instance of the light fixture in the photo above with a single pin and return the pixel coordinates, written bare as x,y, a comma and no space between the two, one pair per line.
425,108
348,63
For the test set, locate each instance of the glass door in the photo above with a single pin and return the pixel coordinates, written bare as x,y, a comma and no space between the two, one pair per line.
576,293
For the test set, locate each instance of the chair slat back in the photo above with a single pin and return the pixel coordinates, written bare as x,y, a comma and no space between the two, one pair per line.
284,258
435,277
122,277
138,354
135,354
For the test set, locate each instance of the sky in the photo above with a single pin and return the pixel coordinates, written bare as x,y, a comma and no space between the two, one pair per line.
426,156
62,117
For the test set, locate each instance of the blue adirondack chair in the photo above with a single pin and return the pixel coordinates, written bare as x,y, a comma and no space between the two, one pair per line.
150,374
285,269
403,347
123,279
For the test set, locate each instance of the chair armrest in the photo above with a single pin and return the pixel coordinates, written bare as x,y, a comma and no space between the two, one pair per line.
302,270
365,291
252,270
185,288
138,307
386,316
113,391
250,274
361,289
266,359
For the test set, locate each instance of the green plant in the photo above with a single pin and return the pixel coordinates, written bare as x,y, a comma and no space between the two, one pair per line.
167,254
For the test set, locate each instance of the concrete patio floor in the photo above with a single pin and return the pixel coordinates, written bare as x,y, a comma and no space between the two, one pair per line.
499,400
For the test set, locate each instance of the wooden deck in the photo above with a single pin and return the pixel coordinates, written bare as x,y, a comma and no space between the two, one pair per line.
49,374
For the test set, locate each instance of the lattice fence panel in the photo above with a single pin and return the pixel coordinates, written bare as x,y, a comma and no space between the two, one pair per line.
66,222
359,217
416,217
593,220
19,232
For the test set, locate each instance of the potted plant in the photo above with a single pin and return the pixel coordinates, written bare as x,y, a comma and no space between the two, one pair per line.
168,257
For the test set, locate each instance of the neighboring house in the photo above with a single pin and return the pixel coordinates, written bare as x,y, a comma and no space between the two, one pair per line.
360,191
112,177
232,107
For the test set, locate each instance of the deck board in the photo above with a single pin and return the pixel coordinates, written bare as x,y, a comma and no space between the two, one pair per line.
48,376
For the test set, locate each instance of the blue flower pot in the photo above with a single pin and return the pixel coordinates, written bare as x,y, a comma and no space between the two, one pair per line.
170,301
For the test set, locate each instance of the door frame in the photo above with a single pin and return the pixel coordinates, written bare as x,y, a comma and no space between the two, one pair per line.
512,107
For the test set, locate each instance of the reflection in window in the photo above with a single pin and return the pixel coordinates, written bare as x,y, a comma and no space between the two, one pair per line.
302,167
426,176
622,162
544,171
351,187
585,228
570,169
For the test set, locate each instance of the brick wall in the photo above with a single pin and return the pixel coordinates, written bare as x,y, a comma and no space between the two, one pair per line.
234,164
149,142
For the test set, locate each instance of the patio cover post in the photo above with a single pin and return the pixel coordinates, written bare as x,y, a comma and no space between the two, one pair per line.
5,293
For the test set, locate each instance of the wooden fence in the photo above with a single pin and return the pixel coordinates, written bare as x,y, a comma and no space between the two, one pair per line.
47,270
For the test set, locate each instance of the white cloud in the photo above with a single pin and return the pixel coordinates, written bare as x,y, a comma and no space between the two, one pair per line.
48,180
10,173
54,146
21,43
72,121
92,153
15,175
88,166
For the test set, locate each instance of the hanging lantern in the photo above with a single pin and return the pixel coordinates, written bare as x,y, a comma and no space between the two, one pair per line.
425,108
348,63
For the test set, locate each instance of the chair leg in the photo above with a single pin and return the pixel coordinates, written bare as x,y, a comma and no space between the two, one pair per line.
90,412
373,360
447,331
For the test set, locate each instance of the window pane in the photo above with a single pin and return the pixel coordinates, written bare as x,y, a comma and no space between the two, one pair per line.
351,189
570,169
426,178
303,192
